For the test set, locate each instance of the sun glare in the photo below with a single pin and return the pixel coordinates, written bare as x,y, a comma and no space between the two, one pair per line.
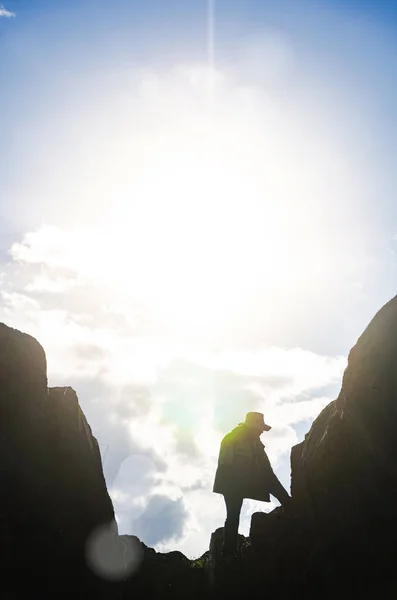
196,210
206,221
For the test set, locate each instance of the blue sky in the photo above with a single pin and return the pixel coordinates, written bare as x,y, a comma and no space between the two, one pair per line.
189,239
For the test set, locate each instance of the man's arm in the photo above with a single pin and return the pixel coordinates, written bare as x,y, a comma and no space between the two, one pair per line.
276,488
278,491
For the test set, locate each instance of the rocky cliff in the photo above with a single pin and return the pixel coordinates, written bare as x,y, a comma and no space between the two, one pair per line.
53,494
338,540
58,536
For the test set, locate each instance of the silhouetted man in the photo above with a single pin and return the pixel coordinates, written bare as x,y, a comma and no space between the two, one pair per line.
244,471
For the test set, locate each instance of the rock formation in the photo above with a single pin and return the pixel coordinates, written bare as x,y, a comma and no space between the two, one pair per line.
53,494
58,537
338,540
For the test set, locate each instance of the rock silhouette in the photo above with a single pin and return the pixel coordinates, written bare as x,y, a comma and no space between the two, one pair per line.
53,493
337,540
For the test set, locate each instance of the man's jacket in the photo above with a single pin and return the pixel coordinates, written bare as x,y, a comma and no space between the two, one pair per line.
243,466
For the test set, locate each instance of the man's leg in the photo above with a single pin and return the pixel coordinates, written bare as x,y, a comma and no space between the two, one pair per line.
230,531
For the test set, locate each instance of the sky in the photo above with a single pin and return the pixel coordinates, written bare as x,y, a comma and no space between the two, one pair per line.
198,219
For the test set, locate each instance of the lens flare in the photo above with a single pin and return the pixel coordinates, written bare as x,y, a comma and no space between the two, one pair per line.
113,557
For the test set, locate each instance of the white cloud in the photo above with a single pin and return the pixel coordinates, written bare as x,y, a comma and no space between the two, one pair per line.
291,413
6,13
43,283
162,521
177,376
159,311
250,176
296,369
159,404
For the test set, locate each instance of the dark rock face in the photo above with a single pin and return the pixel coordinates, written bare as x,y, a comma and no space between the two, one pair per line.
164,575
339,539
58,537
53,494
349,456
344,475
87,504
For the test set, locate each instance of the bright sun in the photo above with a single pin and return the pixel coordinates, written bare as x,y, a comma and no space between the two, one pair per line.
205,222
196,209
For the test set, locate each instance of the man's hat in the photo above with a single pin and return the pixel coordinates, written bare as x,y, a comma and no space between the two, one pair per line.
256,419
